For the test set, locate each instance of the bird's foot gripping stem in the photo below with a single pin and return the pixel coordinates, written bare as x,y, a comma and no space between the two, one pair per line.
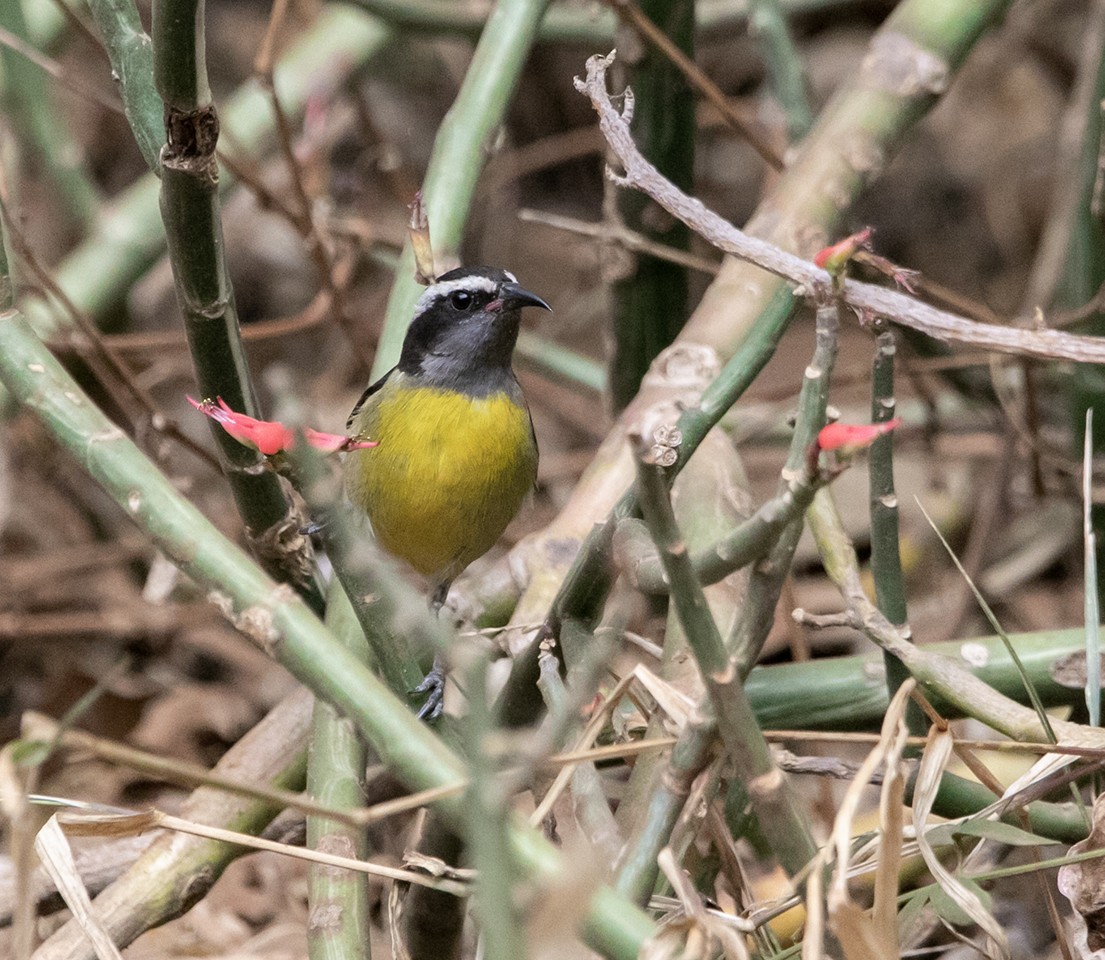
434,688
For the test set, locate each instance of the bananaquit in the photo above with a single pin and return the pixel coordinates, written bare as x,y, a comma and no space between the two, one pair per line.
457,453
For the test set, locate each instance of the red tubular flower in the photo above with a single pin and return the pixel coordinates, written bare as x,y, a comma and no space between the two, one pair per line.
847,438
271,437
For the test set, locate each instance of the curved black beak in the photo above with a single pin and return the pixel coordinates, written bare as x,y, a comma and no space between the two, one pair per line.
513,295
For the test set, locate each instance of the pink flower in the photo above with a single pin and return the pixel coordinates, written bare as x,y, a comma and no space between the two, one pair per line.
835,258
847,438
271,437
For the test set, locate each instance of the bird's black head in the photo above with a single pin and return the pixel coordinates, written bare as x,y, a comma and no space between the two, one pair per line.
464,329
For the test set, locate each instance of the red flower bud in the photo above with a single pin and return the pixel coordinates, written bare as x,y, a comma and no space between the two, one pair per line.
835,258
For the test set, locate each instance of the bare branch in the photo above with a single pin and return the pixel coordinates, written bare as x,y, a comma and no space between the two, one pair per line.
865,298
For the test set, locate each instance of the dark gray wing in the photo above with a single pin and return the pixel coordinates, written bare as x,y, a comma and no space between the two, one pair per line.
364,396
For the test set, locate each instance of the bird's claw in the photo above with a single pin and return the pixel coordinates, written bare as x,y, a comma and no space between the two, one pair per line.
434,688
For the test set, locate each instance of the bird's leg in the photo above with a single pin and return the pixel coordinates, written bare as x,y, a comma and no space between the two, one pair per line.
434,683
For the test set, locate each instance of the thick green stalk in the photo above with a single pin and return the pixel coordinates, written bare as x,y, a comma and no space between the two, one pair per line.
131,54
130,238
273,616
959,797
776,808
193,229
40,129
650,297
458,157
849,693
339,923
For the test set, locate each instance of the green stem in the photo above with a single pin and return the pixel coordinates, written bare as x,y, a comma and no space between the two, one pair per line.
340,924
637,868
193,229
180,54
785,74
744,544
131,54
766,581
850,693
886,562
40,128
488,822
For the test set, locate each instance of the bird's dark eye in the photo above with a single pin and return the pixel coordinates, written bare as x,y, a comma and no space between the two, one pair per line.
460,299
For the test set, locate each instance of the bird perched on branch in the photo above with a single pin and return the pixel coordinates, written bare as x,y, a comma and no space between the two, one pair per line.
457,453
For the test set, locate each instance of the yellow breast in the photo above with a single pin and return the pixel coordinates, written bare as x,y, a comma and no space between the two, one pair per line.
449,474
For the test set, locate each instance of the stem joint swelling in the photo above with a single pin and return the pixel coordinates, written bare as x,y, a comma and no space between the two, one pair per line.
191,137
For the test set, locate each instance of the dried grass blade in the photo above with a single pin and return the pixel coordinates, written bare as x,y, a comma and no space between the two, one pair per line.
57,859
933,762
860,936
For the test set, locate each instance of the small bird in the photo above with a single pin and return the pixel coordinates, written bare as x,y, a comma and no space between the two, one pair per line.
456,452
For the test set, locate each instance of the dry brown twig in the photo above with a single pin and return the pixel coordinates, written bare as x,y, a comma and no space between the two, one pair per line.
739,119
318,244
866,299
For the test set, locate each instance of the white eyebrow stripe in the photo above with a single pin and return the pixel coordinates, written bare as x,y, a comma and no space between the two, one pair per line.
441,290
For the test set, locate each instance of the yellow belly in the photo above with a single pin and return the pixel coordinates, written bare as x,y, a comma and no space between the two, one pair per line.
449,474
